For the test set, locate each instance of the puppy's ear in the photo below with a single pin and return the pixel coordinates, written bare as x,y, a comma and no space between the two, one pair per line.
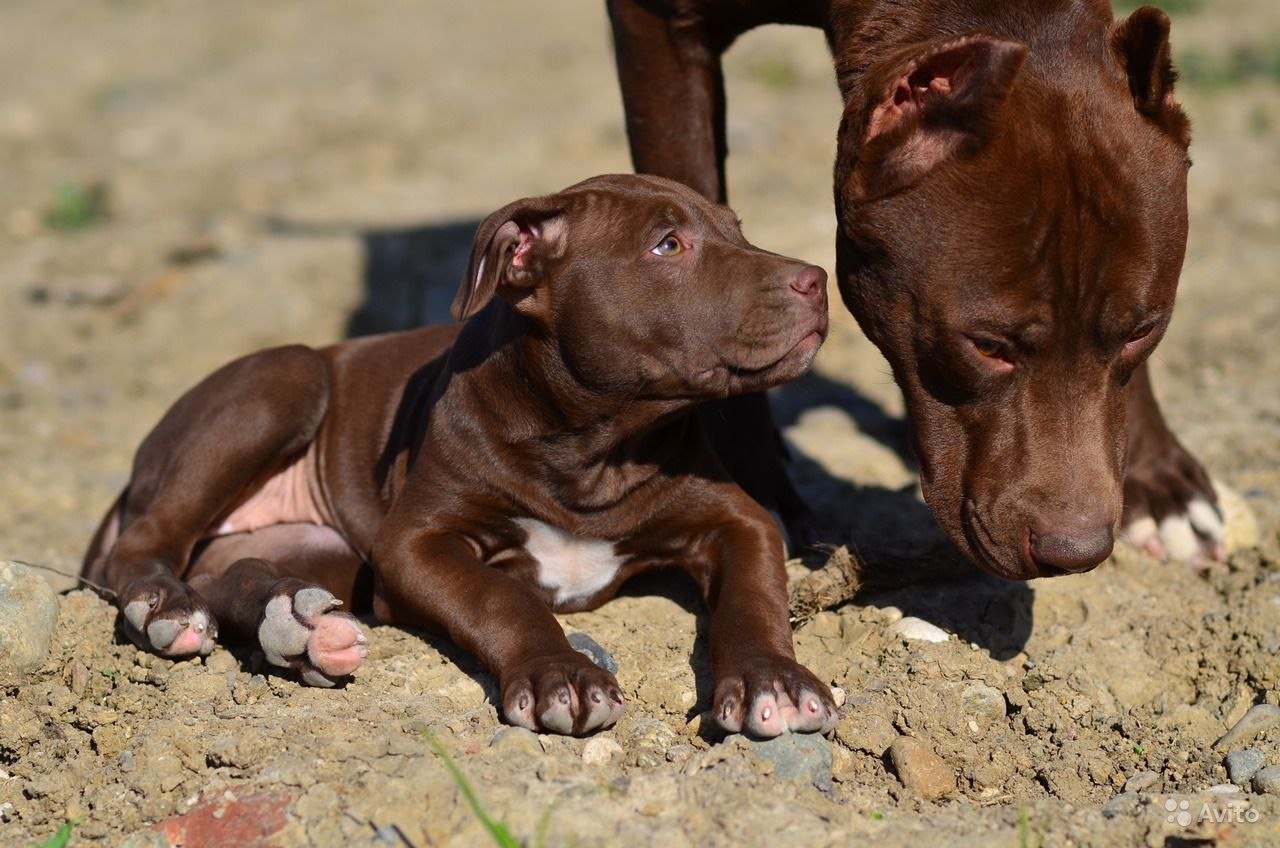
512,252
1141,46
928,103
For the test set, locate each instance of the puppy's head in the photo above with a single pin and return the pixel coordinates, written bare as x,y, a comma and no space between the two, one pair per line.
648,290
1012,227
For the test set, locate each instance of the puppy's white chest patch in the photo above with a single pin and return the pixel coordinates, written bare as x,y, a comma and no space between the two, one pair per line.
573,567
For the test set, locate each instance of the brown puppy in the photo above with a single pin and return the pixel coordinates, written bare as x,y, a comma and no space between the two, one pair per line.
1011,194
532,459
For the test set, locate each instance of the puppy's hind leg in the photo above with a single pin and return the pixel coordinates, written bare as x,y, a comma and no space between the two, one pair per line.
282,588
235,426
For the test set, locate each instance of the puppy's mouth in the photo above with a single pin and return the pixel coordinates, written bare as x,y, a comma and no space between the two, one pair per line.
793,362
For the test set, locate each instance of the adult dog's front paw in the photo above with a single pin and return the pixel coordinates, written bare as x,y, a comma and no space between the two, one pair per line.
165,615
561,693
1170,508
768,696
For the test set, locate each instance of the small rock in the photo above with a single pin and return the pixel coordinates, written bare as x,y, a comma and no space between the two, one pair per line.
28,613
1124,804
891,614
584,644
919,768
680,753
1267,780
516,739
600,749
866,732
221,661
915,629
1242,765
802,757
983,701
839,696
1260,718
1223,789
1141,781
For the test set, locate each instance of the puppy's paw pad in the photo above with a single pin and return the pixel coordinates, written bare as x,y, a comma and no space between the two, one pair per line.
169,618
566,694
772,697
302,631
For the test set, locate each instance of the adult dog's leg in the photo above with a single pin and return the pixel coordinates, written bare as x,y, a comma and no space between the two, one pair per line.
1170,507
673,94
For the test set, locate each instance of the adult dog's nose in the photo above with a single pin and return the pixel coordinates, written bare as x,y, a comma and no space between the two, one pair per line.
810,282
1070,543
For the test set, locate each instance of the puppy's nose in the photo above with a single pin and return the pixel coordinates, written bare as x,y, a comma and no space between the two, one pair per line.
1071,544
809,282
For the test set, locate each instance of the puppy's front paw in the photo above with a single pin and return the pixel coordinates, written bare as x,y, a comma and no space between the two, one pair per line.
165,615
301,630
768,696
562,693
1170,508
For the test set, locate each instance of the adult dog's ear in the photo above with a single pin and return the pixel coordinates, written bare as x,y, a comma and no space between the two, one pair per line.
927,103
1141,46
512,252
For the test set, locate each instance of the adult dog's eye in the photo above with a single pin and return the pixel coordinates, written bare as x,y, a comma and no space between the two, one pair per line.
995,352
1141,333
669,246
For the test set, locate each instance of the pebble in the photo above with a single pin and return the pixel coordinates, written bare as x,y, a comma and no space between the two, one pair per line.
584,644
516,739
891,614
221,661
919,768
800,757
918,630
983,701
1259,718
839,696
1242,765
600,749
867,732
1141,781
1267,780
28,613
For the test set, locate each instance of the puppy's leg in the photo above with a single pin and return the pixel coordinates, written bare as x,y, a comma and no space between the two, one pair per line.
281,587
759,686
217,439
437,582
1170,507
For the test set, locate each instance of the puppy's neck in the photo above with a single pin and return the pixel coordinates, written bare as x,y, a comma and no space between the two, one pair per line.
598,444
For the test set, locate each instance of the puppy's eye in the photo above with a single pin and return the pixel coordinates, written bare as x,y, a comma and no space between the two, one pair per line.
669,246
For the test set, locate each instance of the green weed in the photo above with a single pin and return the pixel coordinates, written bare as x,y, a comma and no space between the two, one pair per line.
62,837
498,831
77,206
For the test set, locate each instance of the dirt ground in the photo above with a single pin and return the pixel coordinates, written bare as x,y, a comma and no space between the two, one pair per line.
307,170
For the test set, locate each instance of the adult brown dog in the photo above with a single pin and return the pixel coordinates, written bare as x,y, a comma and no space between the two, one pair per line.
531,459
1010,188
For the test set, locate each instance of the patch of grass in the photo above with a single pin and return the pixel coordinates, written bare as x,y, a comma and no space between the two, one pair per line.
1259,122
776,72
1026,839
497,830
77,206
1137,749
1173,7
875,815
62,837
111,673
1245,63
